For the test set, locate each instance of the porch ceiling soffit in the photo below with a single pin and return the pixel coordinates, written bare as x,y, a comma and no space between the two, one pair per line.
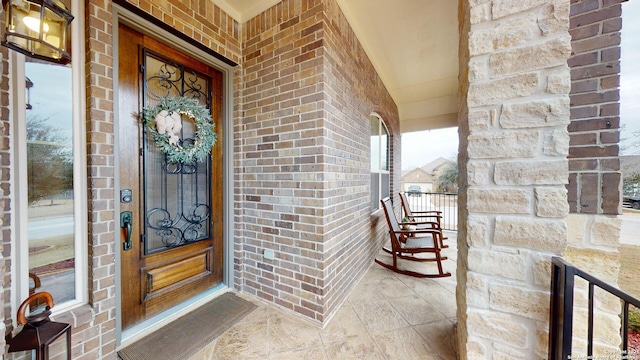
413,44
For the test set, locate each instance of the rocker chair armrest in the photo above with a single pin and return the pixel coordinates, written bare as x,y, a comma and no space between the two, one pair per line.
423,223
416,231
427,213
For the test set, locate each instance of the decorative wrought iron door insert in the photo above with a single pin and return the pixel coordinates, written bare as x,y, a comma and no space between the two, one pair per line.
177,197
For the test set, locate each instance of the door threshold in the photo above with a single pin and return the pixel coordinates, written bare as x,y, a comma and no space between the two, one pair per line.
157,321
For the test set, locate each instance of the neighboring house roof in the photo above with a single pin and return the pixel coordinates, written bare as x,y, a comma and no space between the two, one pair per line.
418,175
425,173
630,164
435,164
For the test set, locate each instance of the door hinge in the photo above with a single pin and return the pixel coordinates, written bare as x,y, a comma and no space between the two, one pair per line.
141,69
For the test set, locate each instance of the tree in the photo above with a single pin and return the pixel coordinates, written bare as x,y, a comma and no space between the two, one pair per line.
448,178
49,160
631,184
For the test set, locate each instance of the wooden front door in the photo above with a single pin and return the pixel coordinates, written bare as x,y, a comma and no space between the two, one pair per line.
171,213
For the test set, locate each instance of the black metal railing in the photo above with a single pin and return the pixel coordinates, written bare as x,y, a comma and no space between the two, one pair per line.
561,312
445,202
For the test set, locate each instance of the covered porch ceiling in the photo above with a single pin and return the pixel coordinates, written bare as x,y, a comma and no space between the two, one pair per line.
413,45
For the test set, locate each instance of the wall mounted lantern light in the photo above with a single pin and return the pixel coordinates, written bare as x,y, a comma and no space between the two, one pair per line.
39,29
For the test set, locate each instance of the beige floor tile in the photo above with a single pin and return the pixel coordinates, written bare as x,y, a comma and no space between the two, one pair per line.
416,310
360,347
364,292
443,300
314,353
387,316
404,343
379,316
441,337
287,333
242,341
391,289
343,326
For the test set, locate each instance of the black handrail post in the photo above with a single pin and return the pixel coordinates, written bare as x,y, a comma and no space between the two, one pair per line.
561,310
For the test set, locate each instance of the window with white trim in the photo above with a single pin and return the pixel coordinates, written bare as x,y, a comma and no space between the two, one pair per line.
380,174
50,182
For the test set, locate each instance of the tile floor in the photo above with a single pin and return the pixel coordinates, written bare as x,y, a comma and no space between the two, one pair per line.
387,316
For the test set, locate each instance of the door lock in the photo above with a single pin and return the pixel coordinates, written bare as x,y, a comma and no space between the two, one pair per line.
126,222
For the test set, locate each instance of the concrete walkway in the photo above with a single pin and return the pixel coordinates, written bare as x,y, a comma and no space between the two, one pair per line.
630,229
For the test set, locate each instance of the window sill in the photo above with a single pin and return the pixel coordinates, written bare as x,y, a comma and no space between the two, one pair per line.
77,317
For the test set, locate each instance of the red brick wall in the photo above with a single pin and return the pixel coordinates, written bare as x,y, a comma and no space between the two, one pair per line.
353,91
5,189
594,177
305,156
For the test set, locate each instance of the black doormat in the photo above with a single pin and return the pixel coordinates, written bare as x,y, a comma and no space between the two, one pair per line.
188,334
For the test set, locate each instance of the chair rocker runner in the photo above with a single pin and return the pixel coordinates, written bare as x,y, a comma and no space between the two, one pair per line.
422,218
406,244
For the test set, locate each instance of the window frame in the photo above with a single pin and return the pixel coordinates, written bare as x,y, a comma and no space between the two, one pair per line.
17,105
380,170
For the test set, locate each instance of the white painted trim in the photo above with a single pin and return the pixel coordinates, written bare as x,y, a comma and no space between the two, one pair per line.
243,13
20,255
123,16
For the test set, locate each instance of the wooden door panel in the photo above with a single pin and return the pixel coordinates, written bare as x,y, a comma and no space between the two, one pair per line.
165,277
155,280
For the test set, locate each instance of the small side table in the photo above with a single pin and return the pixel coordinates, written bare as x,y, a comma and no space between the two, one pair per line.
39,332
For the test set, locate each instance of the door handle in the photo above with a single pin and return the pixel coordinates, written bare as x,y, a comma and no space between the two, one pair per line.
126,222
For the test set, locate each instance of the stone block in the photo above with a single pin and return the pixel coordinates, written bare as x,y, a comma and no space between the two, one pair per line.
501,352
577,228
531,233
541,269
551,202
551,53
606,231
480,13
478,173
498,327
496,91
480,42
606,329
554,18
601,264
532,304
479,120
542,345
534,114
559,83
504,144
556,143
477,291
477,231
475,350
505,35
510,266
501,201
502,8
534,172
478,70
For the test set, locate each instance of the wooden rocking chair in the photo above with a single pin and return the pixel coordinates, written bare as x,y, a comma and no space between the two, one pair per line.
406,244
422,218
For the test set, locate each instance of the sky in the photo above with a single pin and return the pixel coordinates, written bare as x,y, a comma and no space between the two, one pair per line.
50,95
420,148
630,78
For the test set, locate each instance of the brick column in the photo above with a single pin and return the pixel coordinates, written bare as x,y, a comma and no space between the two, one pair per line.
594,178
514,113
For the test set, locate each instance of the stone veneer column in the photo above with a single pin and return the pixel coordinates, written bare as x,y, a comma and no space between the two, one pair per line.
514,112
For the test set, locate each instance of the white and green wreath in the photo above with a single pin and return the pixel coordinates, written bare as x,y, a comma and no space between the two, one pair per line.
164,123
